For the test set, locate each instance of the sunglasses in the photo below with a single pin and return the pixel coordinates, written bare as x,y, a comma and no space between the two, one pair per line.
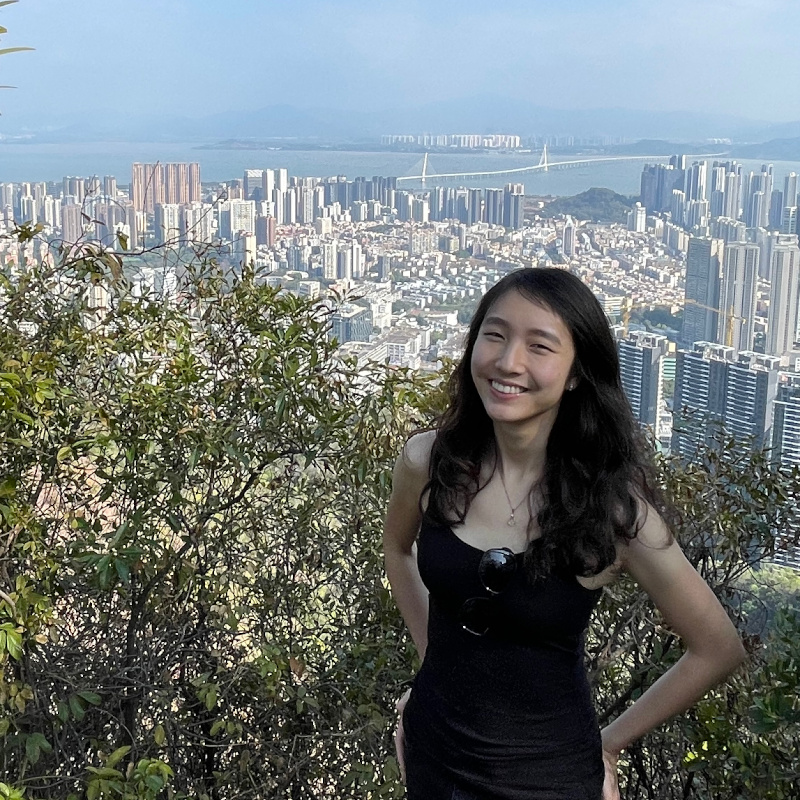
496,568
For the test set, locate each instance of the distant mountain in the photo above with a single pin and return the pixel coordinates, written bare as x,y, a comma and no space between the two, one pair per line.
661,147
480,114
594,205
774,150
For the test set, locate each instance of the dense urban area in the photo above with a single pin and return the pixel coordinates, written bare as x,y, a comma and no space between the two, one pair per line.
701,280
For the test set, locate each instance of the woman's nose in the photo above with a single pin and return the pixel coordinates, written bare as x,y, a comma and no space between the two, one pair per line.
510,358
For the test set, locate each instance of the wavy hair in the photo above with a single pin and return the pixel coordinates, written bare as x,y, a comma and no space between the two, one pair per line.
598,464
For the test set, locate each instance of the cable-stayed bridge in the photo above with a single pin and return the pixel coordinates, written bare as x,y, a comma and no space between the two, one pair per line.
544,165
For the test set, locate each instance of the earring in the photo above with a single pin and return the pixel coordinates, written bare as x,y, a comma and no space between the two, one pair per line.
571,385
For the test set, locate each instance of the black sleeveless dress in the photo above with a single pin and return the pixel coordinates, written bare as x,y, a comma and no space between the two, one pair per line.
507,715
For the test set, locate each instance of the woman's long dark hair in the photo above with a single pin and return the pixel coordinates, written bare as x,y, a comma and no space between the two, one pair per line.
598,465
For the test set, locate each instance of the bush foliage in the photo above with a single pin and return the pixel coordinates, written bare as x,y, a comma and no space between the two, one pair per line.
192,600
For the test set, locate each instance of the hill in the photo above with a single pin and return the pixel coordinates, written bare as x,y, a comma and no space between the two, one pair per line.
594,205
774,149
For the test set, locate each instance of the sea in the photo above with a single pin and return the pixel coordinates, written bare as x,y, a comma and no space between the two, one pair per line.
51,162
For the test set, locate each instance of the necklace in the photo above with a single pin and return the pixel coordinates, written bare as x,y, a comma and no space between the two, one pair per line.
511,522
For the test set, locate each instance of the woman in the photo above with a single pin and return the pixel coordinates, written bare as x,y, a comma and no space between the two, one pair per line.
504,523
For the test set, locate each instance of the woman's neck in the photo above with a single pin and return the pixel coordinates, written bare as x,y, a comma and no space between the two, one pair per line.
521,453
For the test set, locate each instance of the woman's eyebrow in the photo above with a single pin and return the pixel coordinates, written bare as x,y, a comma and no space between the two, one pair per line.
544,334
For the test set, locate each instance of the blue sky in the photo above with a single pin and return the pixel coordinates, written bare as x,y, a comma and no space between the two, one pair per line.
194,57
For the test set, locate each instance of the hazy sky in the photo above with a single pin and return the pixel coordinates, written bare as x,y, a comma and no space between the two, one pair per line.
197,57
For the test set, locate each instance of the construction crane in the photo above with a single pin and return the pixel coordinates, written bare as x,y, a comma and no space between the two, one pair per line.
729,318
628,306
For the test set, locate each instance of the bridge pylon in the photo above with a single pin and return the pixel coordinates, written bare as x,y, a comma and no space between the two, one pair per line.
543,160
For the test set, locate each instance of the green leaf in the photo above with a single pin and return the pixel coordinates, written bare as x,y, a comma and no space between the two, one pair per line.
90,697
76,707
32,750
159,735
7,50
117,755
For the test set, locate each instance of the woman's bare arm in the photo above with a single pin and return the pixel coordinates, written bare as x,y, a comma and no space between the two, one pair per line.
689,607
402,523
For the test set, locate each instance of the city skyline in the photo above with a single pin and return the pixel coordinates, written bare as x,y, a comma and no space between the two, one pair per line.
715,57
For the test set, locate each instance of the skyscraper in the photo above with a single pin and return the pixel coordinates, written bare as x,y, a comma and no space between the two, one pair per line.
569,237
699,396
784,300
254,184
786,425
716,388
700,319
695,187
513,200
637,218
493,207
174,183
640,359
738,298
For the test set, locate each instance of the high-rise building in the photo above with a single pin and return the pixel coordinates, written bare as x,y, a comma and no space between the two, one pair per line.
243,248
474,206
513,206
195,187
738,296
197,222
699,396
330,261
265,231
174,183
784,300
569,237
789,220
637,218
733,192
147,186
677,207
695,186
755,212
640,359
253,181
71,222
282,180
168,223
243,216
775,210
790,189
700,318
493,207
786,425
716,389
750,389
351,323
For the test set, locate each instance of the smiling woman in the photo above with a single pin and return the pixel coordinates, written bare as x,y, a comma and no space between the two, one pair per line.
505,522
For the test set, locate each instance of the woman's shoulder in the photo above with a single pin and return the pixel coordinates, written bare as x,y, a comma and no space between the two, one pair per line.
416,454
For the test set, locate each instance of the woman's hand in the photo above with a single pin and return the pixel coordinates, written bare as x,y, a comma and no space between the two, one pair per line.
610,783
398,735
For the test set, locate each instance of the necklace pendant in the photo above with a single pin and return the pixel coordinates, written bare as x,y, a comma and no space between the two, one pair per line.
511,522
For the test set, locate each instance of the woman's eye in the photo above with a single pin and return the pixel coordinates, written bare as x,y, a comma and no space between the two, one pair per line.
492,334
543,348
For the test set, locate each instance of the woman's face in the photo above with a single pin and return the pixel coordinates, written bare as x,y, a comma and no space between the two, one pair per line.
522,361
